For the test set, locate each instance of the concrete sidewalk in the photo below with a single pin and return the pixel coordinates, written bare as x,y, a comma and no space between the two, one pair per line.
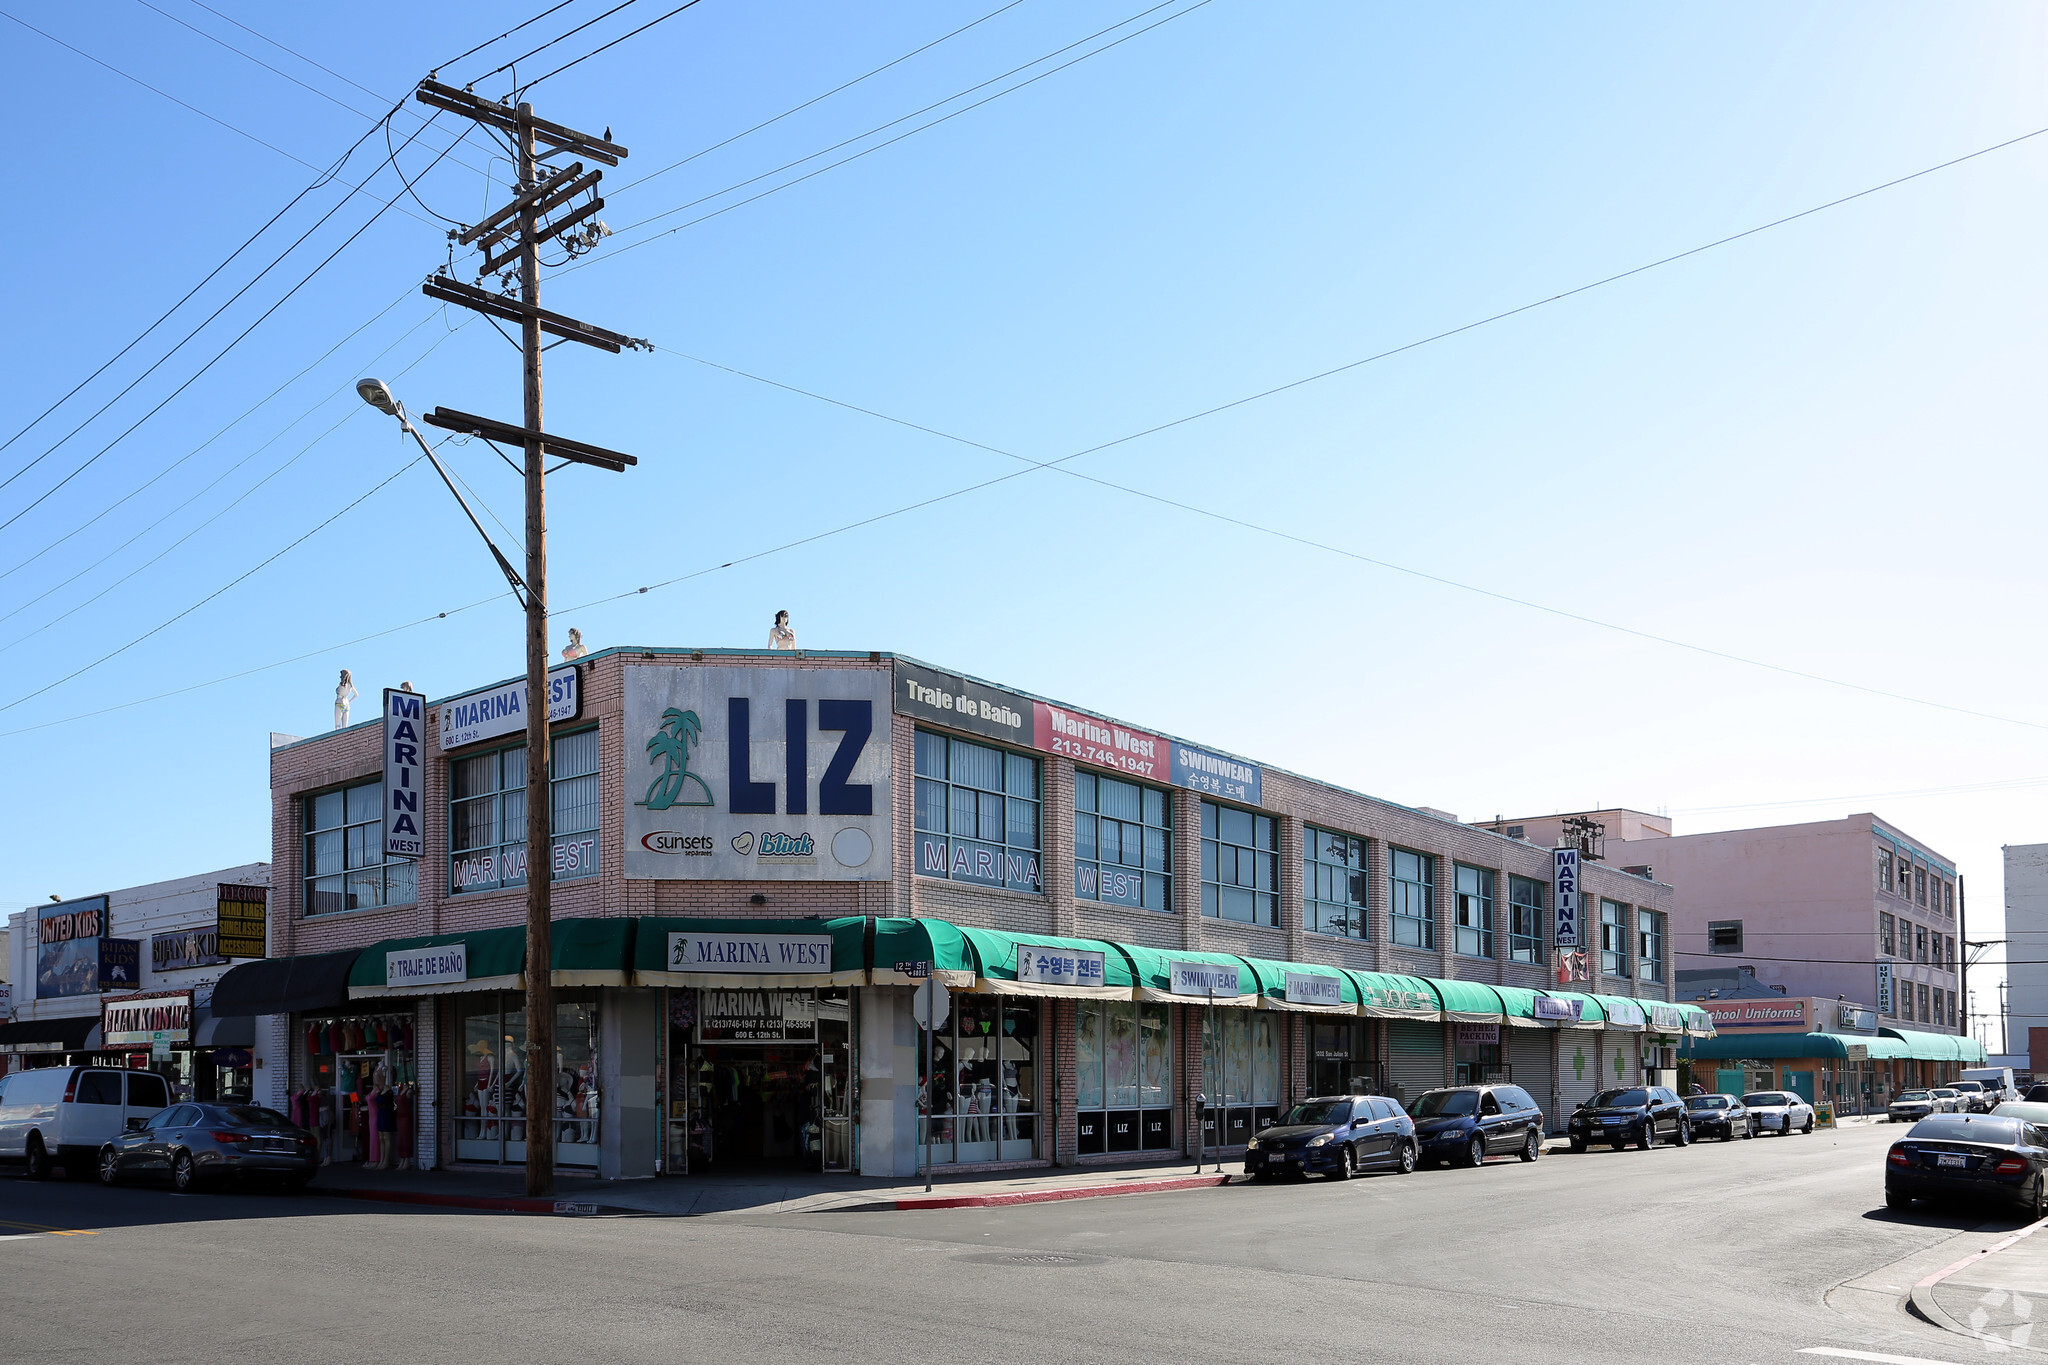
1995,1295
766,1192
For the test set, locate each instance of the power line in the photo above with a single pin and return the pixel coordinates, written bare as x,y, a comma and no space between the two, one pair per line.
552,41
797,109
506,34
528,85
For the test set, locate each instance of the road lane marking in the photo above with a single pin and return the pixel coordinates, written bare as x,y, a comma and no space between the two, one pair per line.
19,1236
38,1229
1840,1354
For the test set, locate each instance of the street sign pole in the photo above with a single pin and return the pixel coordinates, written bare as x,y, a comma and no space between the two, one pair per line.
1222,1061
931,1062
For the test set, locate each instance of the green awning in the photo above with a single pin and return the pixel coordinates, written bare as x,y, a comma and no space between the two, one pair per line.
904,941
1153,970
592,952
1389,995
1519,1004
1622,1012
1936,1047
490,960
1663,1018
1776,1046
1468,1002
996,954
1698,1023
674,951
1591,1014
1273,976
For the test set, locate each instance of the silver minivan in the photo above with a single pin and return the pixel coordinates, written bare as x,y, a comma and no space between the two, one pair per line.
64,1115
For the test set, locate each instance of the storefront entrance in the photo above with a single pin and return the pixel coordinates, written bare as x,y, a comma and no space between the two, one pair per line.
759,1079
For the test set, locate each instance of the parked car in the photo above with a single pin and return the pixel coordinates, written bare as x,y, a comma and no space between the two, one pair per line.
1975,1099
1639,1114
1469,1123
2037,1094
1335,1135
1911,1106
63,1115
1948,1099
193,1144
1999,1080
1967,1156
1779,1111
2023,1110
1721,1116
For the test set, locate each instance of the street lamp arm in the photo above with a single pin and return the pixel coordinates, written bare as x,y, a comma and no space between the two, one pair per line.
511,575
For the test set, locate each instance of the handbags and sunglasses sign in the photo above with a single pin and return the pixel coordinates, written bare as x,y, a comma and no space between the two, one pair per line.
139,1020
241,914
761,954
753,1016
960,703
186,948
501,710
752,774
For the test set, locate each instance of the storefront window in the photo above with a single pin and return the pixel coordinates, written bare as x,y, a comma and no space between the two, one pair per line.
487,814
1472,912
1123,843
1525,920
1341,1060
345,867
1240,865
496,1087
978,1086
1478,1063
1412,909
1334,883
361,1094
977,814
1240,1073
1614,954
1123,1084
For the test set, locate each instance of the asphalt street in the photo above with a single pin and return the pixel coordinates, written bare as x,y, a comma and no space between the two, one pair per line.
1717,1252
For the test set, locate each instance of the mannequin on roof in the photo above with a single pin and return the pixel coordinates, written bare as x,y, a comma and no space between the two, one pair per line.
780,635
344,693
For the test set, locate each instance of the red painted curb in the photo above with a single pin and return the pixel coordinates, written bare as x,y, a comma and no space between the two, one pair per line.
988,1201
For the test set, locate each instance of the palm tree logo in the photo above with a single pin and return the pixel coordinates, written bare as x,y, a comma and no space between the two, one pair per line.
671,745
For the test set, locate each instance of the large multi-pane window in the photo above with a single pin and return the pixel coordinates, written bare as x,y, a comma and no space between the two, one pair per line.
1886,942
1472,911
1953,1021
487,814
1925,1016
977,813
1650,933
1919,943
1950,942
492,1113
1884,869
345,866
1614,954
1240,865
1334,883
1920,885
1123,843
1411,901
1240,1074
1123,1082
980,1094
1525,919
1948,899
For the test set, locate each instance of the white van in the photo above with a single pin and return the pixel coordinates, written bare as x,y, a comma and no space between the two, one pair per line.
1997,1079
63,1115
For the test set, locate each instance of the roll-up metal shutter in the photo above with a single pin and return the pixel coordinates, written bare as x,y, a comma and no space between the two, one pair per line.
1415,1052
1529,1053
1578,1070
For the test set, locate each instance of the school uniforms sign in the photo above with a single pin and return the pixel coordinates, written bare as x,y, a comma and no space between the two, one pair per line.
757,774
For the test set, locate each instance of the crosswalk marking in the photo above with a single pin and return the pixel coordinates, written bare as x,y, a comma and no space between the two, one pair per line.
1840,1354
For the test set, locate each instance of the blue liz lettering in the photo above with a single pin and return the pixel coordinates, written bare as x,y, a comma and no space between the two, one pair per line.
748,796
796,735
836,796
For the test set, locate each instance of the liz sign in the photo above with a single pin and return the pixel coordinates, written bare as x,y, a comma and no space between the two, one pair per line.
757,774
1564,896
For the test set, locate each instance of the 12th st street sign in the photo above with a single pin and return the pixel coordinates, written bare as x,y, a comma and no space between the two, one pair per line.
1564,896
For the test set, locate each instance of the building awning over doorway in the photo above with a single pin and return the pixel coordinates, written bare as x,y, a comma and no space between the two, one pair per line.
901,943
1273,987
1390,995
1152,976
1936,1047
996,953
308,983
764,953
1623,1013
216,1030
1468,1002
594,951
492,960
48,1035
1778,1046
1698,1023
1518,1003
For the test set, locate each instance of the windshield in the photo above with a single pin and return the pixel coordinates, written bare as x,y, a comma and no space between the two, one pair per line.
1319,1112
256,1116
1972,1086
1912,1094
1619,1099
1765,1098
1445,1103
1946,1094
1954,1128
1707,1102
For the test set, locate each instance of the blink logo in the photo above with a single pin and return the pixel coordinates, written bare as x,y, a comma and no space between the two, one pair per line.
787,846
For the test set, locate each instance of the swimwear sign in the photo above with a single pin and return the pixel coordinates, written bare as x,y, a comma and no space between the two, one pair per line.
761,954
426,966
1205,979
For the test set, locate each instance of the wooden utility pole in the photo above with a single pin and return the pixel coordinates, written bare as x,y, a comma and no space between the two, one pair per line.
542,189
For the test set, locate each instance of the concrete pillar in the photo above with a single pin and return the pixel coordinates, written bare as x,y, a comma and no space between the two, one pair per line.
1056,843
629,1131
426,1095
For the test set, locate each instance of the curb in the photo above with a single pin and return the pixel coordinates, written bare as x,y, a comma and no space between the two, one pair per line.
990,1201
485,1203
1923,1305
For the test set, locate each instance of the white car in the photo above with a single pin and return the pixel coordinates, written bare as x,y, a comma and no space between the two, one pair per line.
1948,1101
64,1115
1779,1111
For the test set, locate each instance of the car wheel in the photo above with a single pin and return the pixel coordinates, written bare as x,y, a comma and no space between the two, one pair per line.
1475,1152
38,1160
1404,1158
1683,1138
1646,1136
1808,1127
110,1168
1749,1130
1578,1144
184,1176
1532,1146
1895,1200
1347,1164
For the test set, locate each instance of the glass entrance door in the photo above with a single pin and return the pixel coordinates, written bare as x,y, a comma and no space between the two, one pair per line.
835,1084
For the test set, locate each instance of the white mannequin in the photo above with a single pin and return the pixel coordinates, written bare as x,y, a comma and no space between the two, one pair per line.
780,636
344,693
574,649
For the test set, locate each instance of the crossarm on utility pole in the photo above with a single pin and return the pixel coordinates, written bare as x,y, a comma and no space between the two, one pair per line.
511,574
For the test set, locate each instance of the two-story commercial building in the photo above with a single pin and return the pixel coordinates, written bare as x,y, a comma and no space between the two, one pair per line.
1137,944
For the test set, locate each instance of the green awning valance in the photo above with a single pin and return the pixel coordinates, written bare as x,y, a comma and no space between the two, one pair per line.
1273,976
1591,1013
1468,1002
490,960
677,951
592,952
996,954
923,940
1622,1012
1698,1023
1390,995
1153,972
1936,1047
1519,1004
1776,1046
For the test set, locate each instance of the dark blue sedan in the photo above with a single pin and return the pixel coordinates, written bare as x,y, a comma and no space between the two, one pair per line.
1969,1156
194,1144
1335,1135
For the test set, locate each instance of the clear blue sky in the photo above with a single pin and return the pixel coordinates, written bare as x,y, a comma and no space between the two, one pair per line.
1819,446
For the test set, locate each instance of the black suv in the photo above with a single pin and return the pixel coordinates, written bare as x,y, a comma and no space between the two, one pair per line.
1639,1114
1469,1123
